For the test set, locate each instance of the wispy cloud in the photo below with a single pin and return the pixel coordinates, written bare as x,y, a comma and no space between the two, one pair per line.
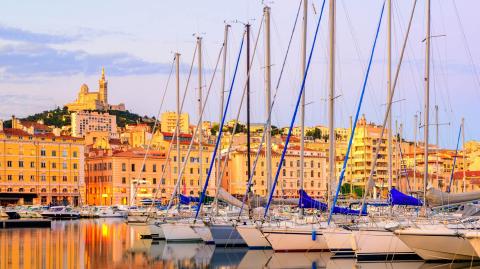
26,60
10,102
17,34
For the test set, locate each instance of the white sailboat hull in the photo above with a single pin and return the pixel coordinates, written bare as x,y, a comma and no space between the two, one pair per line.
253,237
339,241
438,245
180,232
204,232
375,245
295,240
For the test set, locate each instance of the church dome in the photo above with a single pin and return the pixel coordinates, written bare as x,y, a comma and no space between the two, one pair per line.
84,88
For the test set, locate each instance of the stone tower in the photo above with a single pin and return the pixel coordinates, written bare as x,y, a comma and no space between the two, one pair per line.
103,89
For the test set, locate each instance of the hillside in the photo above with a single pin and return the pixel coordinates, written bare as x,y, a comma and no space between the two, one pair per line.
60,117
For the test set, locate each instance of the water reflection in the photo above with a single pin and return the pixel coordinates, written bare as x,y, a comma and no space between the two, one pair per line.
111,243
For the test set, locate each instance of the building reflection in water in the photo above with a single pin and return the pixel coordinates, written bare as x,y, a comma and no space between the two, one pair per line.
111,243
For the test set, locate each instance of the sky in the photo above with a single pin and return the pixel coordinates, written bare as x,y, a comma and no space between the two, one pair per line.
48,50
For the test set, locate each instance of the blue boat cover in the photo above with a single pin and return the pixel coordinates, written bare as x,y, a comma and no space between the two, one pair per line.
186,200
305,201
399,198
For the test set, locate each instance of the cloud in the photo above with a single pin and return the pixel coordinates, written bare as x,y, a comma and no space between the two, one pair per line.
17,34
27,60
22,104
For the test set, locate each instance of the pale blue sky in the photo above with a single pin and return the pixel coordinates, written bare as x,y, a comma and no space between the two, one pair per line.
48,49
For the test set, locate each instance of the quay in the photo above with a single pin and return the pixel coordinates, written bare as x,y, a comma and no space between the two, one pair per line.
25,223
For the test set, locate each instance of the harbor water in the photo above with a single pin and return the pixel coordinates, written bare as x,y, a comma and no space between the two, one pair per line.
112,243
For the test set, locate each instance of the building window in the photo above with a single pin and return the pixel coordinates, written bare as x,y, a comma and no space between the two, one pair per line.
64,165
64,178
75,178
75,154
75,166
124,167
191,170
144,168
64,153
20,177
154,168
154,181
43,178
32,164
9,189
43,152
32,190
54,178
133,167
54,165
54,153
20,163
163,181
9,163
20,190
43,165
124,180
32,178
9,177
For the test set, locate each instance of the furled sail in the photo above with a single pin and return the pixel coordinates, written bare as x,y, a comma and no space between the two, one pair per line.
399,198
229,199
306,201
438,198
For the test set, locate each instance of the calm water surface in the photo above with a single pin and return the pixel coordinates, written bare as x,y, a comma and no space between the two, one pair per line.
111,243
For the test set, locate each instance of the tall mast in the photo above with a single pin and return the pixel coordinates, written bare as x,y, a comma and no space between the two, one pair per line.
463,146
302,109
268,85
436,142
331,96
177,73
415,128
200,128
427,100
247,27
389,92
222,97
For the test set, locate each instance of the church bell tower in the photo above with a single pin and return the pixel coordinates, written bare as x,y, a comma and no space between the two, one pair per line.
103,89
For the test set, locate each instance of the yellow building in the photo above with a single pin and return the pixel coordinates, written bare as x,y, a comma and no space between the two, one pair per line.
315,183
40,168
168,122
87,100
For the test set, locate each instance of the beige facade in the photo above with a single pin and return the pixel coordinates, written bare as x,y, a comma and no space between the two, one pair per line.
84,122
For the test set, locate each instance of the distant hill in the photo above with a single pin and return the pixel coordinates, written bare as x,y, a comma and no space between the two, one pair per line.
60,117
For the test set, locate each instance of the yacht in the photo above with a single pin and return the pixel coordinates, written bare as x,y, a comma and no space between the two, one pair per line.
110,212
61,212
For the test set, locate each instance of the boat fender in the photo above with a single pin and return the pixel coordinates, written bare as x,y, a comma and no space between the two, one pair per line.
314,235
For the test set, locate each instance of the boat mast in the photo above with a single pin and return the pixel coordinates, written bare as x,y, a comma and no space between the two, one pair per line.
415,128
463,146
427,100
436,143
177,73
200,129
331,96
222,97
268,85
389,92
247,27
302,105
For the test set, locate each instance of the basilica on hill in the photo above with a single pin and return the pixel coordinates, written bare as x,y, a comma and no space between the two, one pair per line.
88,100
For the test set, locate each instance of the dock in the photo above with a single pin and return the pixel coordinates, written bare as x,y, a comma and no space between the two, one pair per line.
25,223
